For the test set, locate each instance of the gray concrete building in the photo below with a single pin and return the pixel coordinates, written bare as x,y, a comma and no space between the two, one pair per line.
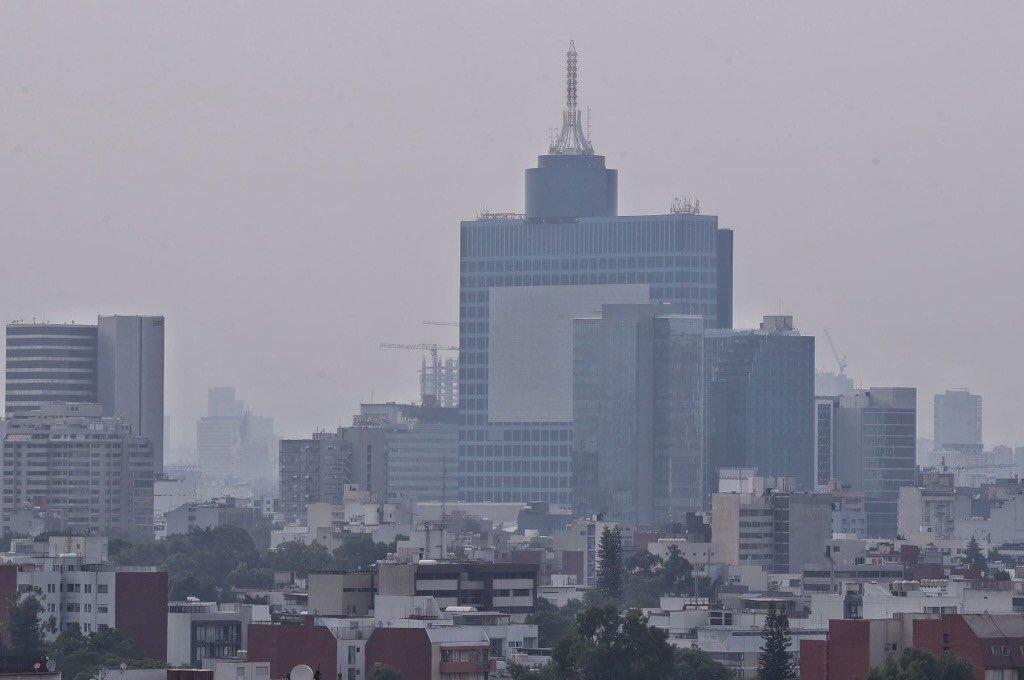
958,421
874,449
91,469
49,363
130,375
638,413
313,470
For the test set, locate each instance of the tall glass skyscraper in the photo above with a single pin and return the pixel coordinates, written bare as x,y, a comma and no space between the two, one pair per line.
638,413
759,401
524,278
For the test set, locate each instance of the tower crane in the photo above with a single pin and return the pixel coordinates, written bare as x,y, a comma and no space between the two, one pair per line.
438,382
840,359
451,324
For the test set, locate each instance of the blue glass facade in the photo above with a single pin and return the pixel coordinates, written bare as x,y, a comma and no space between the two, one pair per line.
680,258
759,404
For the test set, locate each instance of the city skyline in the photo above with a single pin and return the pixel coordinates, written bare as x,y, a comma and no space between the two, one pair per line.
858,154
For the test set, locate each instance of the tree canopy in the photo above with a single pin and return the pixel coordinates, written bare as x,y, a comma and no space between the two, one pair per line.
920,664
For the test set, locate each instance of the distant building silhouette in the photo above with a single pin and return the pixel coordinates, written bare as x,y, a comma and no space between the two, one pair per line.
958,420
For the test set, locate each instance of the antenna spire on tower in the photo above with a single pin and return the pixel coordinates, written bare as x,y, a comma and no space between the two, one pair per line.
571,140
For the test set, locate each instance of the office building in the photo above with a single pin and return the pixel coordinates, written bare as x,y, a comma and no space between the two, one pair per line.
824,440
313,470
423,455
525,277
90,469
130,375
638,409
49,363
958,421
118,364
759,401
874,449
775,528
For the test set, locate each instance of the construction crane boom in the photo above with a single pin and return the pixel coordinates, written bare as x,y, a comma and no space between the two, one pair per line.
450,324
840,360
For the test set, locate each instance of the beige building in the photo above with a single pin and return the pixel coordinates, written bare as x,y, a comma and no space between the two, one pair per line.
778,531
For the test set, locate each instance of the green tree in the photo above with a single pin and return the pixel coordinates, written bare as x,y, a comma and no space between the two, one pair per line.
775,661
383,672
358,553
298,557
607,645
920,664
80,657
677,574
24,629
554,623
974,557
693,664
609,563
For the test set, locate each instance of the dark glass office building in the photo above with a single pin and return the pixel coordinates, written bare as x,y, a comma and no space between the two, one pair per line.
524,278
637,411
49,363
874,449
759,401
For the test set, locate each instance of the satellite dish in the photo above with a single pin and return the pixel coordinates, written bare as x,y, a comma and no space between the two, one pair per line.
301,672
124,666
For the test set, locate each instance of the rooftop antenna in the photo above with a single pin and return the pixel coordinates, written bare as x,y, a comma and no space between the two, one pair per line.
571,140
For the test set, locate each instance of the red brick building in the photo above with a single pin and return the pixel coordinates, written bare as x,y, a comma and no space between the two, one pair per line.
989,642
992,643
451,652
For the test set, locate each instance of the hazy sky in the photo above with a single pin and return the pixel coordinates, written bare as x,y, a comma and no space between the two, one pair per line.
284,181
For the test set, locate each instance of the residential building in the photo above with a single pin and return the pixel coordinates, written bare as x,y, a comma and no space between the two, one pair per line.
509,588
778,531
874,449
849,514
525,277
958,420
638,409
576,548
130,375
201,632
449,652
340,593
49,363
854,647
759,401
334,646
77,586
926,512
71,460
209,515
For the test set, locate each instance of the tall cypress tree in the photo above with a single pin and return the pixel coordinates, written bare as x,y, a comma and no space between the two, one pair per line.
776,661
609,563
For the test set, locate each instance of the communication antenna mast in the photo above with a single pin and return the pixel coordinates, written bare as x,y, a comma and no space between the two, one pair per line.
572,139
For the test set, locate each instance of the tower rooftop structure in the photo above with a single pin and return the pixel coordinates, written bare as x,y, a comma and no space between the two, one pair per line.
570,181
571,140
